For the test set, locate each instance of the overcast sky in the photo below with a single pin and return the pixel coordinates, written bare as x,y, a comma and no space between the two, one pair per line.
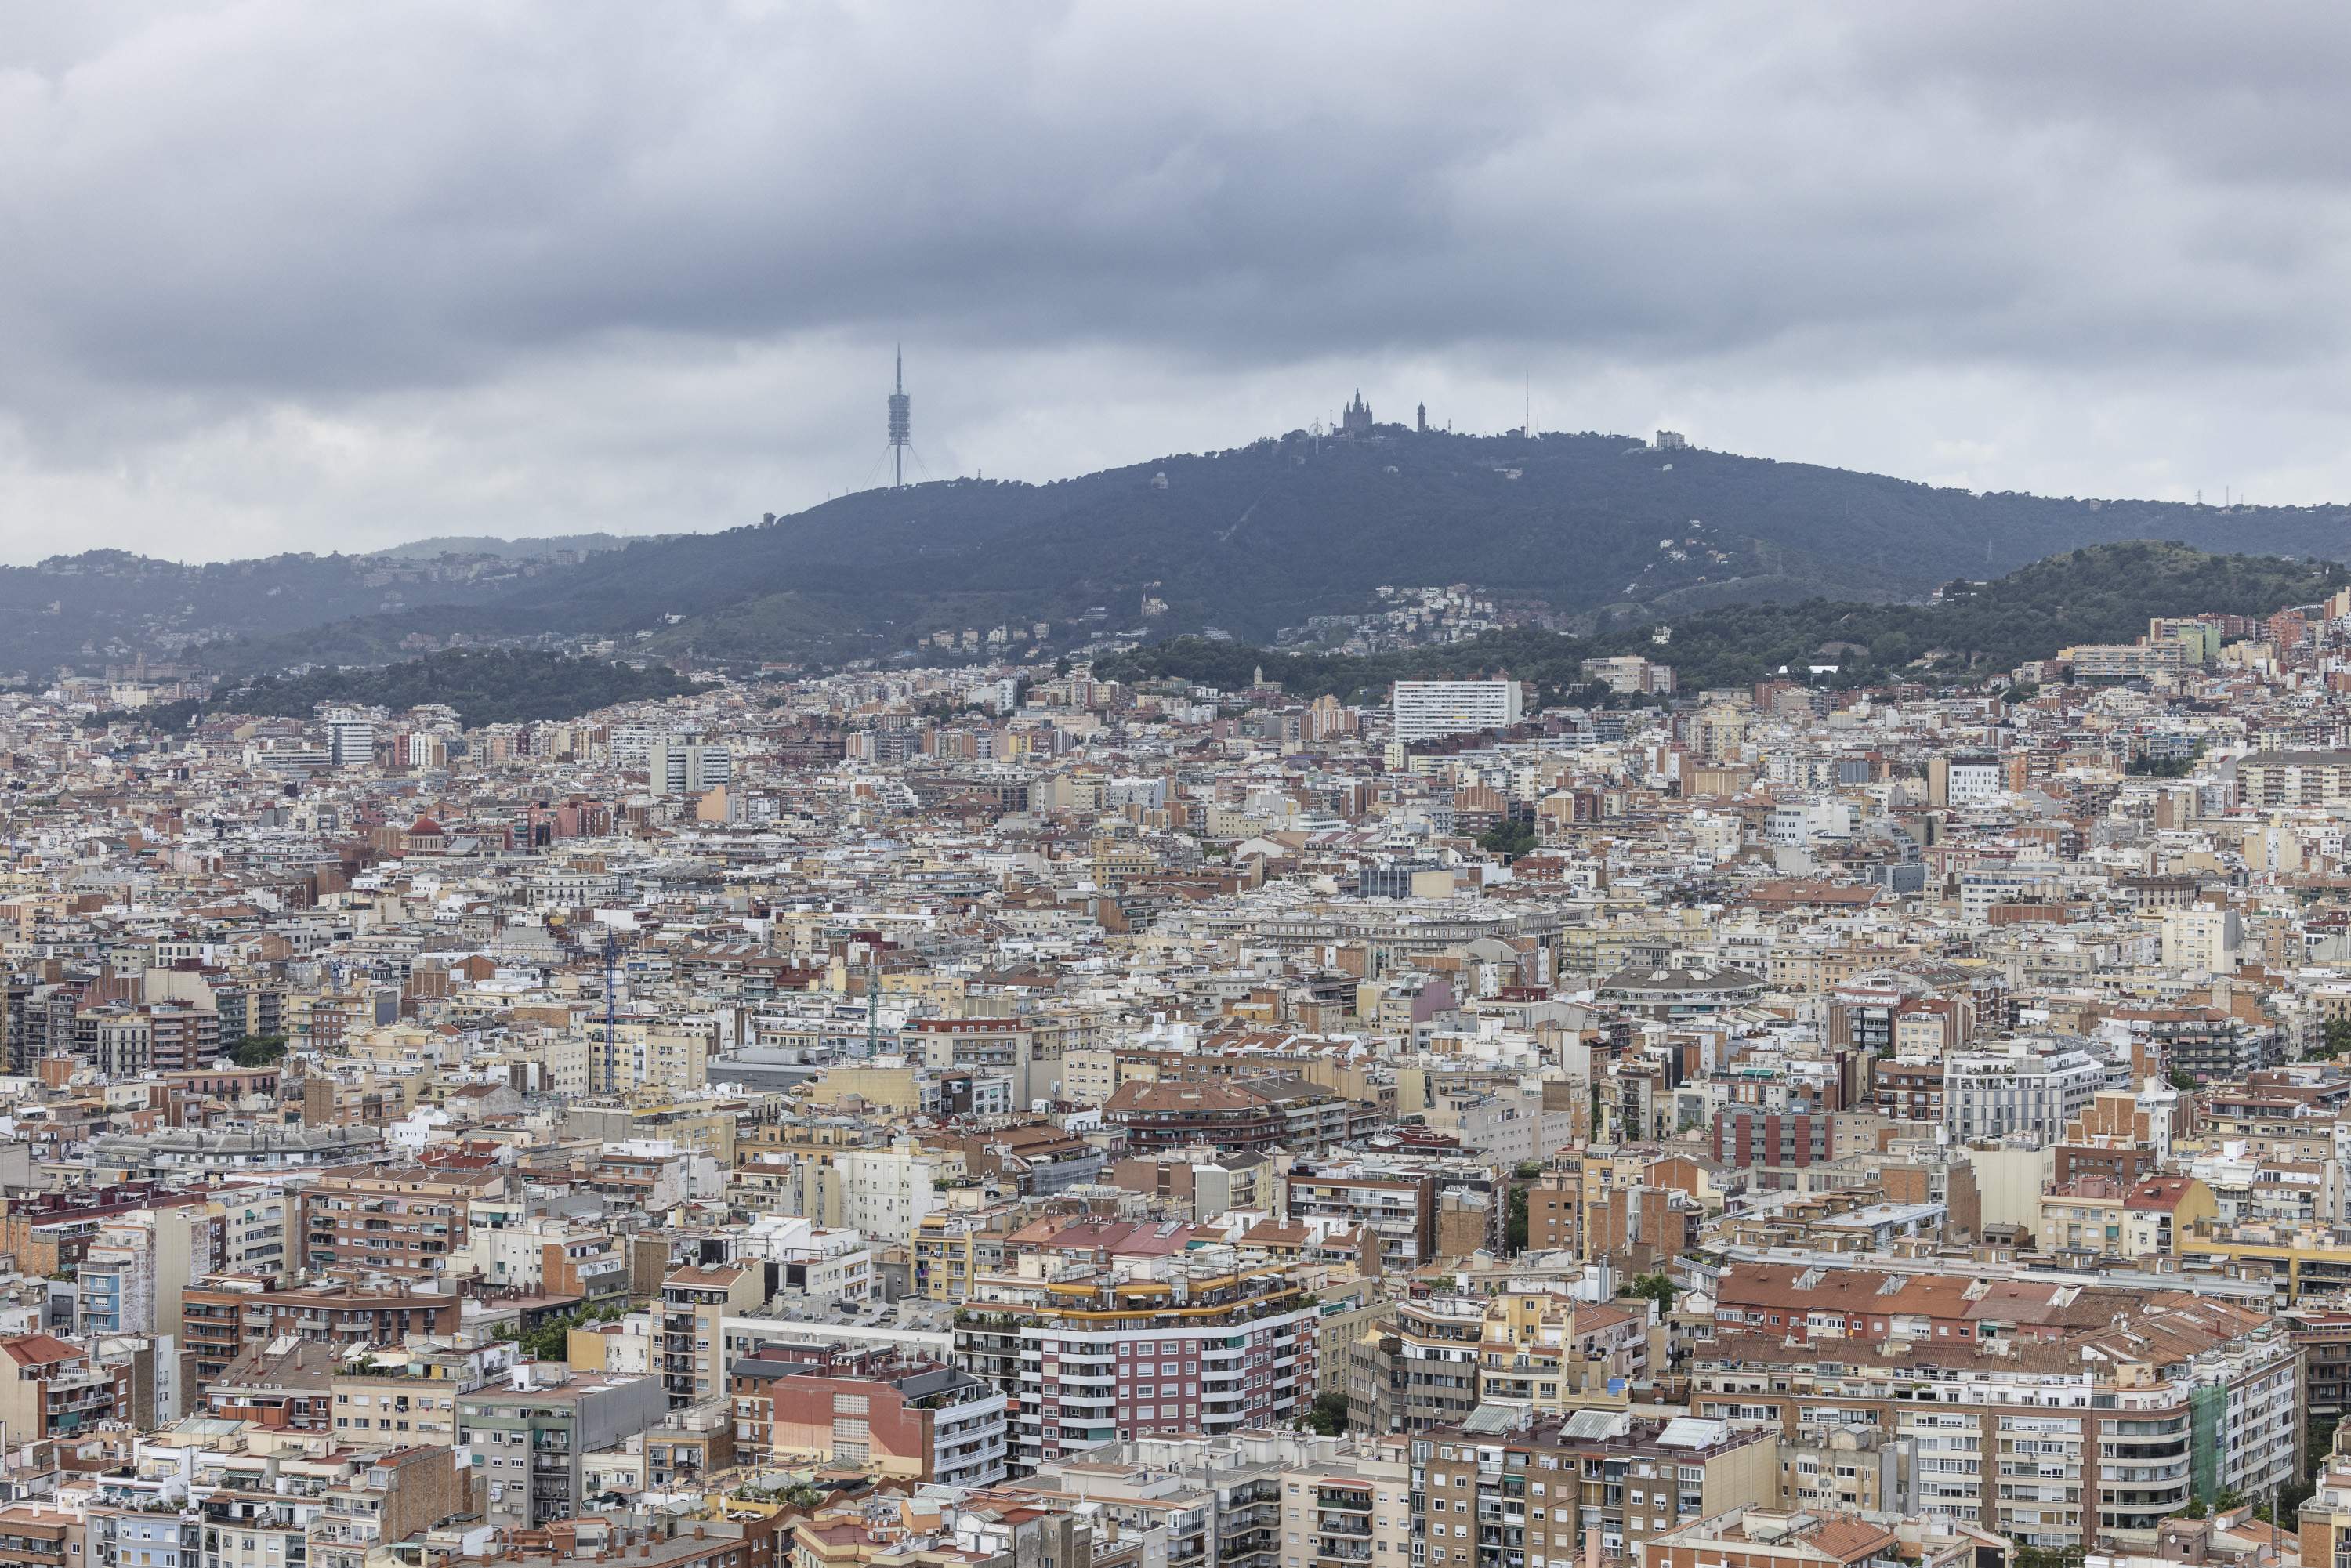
280,275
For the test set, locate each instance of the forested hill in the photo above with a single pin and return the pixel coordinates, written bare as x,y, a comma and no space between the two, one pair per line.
2104,593
1599,528
1260,537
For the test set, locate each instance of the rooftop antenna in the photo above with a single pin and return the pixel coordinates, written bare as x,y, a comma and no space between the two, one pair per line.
873,1000
611,1000
1527,413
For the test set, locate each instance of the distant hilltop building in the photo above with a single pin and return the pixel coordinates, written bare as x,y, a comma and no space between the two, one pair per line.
1355,419
1671,441
1420,419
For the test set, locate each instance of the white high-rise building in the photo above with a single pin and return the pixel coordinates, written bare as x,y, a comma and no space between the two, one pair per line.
687,766
1426,709
350,737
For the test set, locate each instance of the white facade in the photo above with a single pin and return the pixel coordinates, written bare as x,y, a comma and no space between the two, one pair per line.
2024,1088
254,1228
884,1192
1973,780
350,738
1426,709
2202,939
687,766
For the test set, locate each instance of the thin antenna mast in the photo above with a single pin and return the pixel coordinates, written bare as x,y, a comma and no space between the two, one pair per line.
873,1000
611,1003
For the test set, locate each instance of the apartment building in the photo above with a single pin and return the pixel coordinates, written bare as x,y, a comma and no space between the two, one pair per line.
2295,778
124,1040
2026,1086
1253,1500
2096,1218
256,1220
1550,1353
2116,662
1397,1206
1505,1488
1262,1112
1629,674
405,1221
388,1496
952,1247
1842,1469
227,1315
1419,1371
529,1436
53,1388
1428,710
1170,1346
402,1397
135,1272
32,1536
2053,1437
1793,1537
908,1421
691,1342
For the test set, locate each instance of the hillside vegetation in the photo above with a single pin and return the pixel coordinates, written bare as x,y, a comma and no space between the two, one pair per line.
1601,528
1260,537
495,686
2104,593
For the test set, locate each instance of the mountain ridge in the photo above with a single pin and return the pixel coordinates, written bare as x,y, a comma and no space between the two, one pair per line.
1584,530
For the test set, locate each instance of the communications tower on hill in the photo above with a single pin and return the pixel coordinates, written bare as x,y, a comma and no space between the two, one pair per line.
901,424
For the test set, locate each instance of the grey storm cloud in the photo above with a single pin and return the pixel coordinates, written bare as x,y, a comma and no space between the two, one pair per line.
310,275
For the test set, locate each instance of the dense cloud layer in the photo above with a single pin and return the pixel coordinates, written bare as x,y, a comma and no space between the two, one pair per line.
283,275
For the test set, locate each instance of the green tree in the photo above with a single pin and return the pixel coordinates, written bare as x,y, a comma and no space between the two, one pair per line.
552,1341
2047,1557
1328,1416
2333,1039
1509,840
2182,1080
1658,1287
1514,1222
258,1050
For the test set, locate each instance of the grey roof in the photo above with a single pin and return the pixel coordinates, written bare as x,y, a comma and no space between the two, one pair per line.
1693,1432
1493,1420
1593,1426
